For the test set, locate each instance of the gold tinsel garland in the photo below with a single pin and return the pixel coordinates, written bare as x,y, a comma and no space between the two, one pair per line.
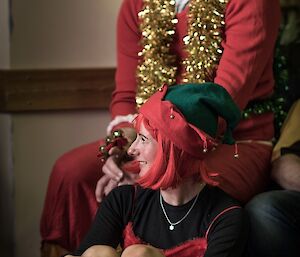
203,44
157,68
203,41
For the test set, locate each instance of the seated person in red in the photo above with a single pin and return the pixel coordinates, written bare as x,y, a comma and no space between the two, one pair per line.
175,210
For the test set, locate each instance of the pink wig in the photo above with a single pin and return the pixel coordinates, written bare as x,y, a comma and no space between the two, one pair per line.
172,164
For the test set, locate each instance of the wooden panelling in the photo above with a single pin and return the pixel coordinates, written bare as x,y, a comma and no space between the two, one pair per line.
62,89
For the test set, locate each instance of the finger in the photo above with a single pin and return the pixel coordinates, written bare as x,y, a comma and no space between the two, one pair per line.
115,150
113,172
99,191
110,186
111,169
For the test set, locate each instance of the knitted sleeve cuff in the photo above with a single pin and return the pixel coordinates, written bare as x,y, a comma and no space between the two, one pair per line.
119,119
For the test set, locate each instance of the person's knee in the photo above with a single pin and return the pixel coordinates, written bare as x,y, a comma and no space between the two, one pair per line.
77,165
266,205
140,250
100,251
65,171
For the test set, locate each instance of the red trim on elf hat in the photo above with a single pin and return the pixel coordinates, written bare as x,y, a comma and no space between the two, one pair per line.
173,125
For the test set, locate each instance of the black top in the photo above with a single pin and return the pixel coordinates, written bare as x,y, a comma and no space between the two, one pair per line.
227,236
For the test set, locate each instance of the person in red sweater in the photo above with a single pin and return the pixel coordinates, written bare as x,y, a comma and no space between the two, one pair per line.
229,43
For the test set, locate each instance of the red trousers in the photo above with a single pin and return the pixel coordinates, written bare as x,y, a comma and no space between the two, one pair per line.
70,203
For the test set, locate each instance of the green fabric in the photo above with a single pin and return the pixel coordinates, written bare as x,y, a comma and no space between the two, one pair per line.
202,104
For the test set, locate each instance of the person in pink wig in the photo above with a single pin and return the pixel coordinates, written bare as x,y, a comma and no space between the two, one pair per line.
175,209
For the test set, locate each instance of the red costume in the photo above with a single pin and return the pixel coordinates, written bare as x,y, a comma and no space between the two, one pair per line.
245,70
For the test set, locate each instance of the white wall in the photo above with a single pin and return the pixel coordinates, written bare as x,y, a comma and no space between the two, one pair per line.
6,169
6,187
63,33
47,34
4,34
39,139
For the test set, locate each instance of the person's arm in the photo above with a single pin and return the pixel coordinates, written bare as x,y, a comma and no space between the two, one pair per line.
251,29
286,169
229,235
110,220
123,105
128,46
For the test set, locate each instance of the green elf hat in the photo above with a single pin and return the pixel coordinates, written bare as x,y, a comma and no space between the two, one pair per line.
188,115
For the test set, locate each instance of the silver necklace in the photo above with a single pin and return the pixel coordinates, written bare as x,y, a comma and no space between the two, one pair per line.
173,224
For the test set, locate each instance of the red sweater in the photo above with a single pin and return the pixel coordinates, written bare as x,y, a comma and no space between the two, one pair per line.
245,68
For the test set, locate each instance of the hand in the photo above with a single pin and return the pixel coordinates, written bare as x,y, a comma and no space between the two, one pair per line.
104,185
114,175
117,156
111,167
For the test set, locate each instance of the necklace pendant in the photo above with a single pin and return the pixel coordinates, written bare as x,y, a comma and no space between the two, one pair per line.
171,227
